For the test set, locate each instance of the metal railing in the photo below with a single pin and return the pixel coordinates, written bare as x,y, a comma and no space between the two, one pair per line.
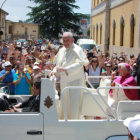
92,95
90,77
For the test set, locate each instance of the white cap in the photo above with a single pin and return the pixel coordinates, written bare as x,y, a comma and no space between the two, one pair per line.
36,63
3,65
35,67
7,63
133,125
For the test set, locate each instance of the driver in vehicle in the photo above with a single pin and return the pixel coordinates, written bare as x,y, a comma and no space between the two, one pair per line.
32,104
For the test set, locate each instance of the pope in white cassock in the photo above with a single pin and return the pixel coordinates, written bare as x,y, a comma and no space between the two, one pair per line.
69,66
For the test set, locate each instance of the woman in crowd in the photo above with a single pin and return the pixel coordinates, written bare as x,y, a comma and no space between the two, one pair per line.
121,59
36,72
108,69
93,69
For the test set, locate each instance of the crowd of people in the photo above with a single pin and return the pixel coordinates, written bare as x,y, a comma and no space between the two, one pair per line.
120,69
21,66
21,70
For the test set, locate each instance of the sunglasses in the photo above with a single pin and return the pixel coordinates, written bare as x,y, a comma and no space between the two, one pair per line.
121,60
8,66
108,66
94,61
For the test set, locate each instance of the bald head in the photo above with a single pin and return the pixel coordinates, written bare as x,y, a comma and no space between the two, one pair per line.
67,39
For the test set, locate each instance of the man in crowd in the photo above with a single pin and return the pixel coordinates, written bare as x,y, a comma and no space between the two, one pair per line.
69,67
4,47
6,77
133,126
136,72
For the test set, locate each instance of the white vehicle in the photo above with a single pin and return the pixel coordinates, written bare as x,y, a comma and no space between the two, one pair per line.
86,44
21,41
46,125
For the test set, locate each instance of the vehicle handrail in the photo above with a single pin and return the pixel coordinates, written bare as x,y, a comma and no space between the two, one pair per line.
90,77
100,76
84,88
104,77
89,92
109,87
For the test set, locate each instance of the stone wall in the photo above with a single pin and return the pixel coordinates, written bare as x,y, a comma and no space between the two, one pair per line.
128,51
119,49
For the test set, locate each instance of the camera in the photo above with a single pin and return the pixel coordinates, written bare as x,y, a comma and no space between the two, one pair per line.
25,70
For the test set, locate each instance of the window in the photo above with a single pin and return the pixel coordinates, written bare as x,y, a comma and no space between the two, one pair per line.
26,33
132,26
10,29
3,22
101,33
97,33
93,3
121,31
114,31
94,32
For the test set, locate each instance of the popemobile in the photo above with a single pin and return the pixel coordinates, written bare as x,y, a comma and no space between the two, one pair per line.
94,123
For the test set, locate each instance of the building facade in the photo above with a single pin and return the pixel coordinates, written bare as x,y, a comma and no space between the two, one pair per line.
85,26
115,25
3,24
17,30
21,30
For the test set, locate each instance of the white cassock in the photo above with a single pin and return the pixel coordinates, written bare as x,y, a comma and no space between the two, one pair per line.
73,60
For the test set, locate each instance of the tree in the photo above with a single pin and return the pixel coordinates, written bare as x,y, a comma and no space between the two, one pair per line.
88,32
55,16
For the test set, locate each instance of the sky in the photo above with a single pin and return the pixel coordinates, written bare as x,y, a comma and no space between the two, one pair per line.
17,9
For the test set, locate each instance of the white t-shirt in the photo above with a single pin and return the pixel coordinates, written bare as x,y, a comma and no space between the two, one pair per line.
94,73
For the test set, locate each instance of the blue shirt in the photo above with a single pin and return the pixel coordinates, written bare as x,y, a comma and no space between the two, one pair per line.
22,88
8,79
5,49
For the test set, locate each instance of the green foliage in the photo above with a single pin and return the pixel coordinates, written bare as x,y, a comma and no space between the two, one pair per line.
55,16
88,32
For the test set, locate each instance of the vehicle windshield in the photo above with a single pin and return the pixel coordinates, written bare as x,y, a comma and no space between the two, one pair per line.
21,40
87,46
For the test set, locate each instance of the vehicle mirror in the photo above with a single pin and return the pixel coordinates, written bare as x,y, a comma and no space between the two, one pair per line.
118,137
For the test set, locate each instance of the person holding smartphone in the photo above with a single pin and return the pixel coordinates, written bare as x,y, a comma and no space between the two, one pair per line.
21,81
